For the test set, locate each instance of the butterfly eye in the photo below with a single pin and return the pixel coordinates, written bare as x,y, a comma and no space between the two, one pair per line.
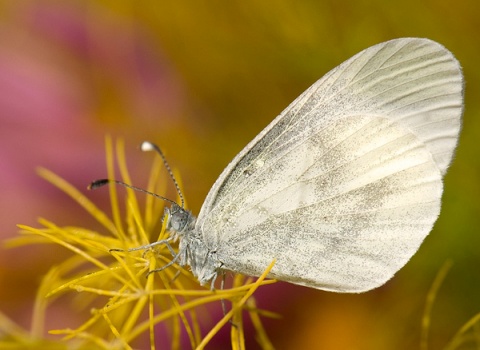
179,219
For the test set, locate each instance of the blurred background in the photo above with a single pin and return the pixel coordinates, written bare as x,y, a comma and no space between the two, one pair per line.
201,79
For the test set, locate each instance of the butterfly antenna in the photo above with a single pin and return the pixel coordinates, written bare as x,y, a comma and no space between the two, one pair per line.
102,182
148,146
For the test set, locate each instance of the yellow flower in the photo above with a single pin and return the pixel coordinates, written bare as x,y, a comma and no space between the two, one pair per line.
127,308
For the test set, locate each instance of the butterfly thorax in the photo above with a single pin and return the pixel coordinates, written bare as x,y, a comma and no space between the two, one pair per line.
192,249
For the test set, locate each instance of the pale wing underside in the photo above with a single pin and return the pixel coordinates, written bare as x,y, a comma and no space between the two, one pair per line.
345,184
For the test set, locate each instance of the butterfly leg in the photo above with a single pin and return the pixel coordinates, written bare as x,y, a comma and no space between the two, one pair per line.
173,261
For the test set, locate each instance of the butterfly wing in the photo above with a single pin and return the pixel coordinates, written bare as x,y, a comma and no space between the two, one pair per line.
344,185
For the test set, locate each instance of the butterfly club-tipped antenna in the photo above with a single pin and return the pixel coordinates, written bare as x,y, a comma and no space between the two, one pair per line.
102,182
178,217
148,146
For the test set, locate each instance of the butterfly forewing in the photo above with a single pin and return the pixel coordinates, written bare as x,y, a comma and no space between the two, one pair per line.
345,184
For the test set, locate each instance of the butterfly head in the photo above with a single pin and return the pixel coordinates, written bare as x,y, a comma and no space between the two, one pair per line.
180,220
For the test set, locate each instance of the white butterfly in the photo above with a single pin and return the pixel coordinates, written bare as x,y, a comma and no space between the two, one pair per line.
344,185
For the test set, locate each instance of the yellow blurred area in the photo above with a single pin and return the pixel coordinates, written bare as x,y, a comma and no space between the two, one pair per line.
201,79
